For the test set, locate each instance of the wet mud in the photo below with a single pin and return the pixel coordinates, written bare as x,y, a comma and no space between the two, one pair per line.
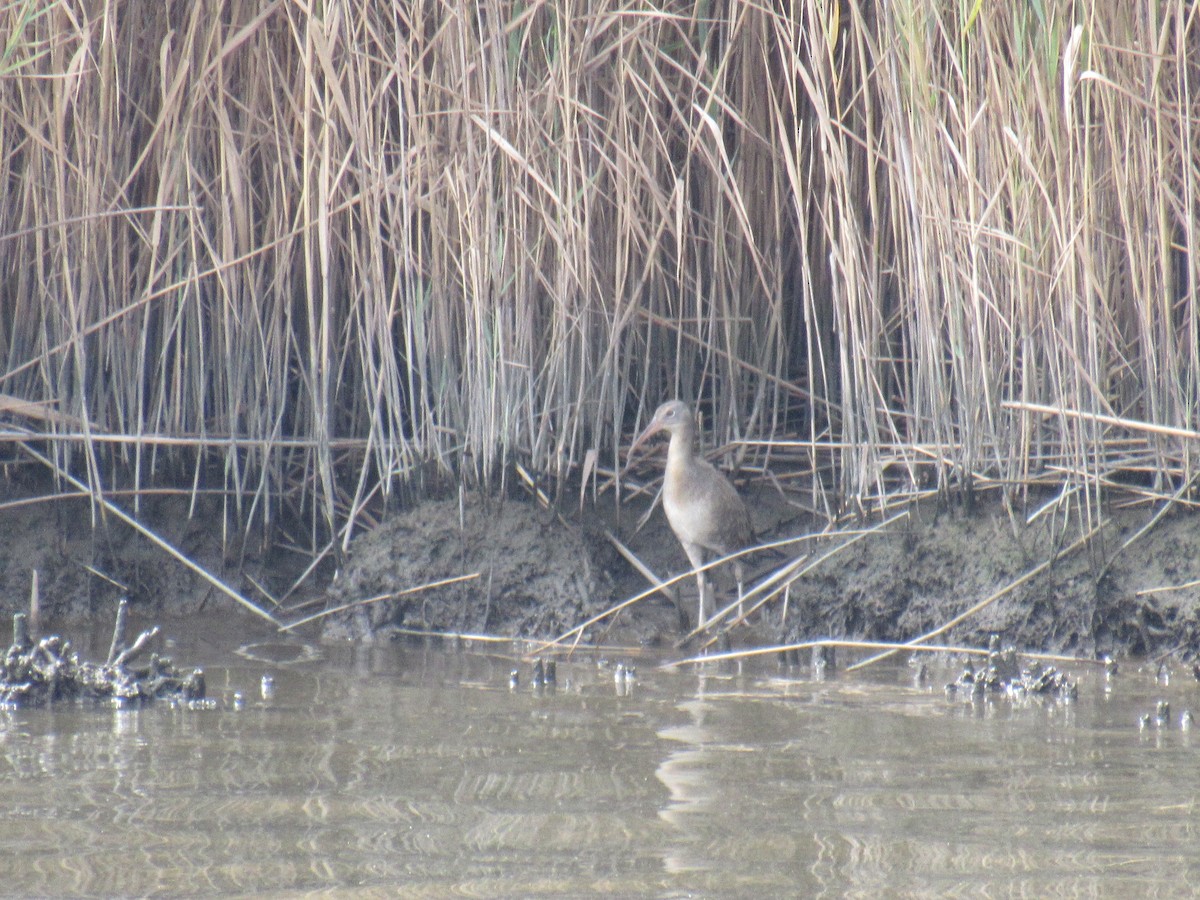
531,573
39,670
1132,591
1128,591
86,562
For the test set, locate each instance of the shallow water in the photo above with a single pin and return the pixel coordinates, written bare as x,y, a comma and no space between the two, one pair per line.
394,771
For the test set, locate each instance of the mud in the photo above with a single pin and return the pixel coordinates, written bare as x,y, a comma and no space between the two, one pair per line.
86,563
1107,597
531,573
539,574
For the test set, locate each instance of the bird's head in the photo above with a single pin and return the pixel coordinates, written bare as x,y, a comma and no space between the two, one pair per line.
672,417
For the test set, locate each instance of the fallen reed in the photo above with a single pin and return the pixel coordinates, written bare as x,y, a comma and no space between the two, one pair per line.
305,253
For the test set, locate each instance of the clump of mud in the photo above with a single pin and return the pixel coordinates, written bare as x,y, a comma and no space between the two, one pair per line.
1003,675
39,672
536,574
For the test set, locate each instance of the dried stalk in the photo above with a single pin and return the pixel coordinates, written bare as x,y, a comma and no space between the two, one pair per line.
941,247
137,526
867,645
367,601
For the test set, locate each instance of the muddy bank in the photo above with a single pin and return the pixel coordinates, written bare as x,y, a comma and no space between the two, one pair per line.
538,576
1103,597
83,571
86,561
544,575
527,573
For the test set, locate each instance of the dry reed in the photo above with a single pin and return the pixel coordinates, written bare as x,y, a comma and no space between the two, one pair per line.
301,252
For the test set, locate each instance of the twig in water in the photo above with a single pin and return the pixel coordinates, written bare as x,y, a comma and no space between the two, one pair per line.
118,636
867,645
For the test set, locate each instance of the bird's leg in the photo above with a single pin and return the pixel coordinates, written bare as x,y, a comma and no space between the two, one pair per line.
702,586
739,573
695,556
684,625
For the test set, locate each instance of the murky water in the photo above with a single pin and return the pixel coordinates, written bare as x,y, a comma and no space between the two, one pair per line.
394,771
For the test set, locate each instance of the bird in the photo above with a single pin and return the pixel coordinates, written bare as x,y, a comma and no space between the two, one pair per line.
703,509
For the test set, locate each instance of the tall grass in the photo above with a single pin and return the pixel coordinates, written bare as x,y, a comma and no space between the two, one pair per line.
319,248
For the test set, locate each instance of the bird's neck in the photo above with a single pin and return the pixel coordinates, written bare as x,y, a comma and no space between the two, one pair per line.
682,447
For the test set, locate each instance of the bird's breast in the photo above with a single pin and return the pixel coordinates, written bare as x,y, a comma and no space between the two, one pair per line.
694,510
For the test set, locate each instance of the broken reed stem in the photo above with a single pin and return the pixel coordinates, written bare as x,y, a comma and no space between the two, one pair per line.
377,599
136,647
983,604
1156,517
1167,588
578,630
630,557
118,636
1187,434
784,576
185,441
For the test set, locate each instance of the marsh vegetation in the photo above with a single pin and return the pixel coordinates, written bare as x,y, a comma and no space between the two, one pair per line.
301,257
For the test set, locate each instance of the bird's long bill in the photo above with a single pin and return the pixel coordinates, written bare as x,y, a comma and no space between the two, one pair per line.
652,429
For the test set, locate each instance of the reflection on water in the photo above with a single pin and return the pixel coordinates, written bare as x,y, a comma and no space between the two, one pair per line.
691,788
418,772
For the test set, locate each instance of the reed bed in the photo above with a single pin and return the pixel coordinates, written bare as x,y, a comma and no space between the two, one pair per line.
309,253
